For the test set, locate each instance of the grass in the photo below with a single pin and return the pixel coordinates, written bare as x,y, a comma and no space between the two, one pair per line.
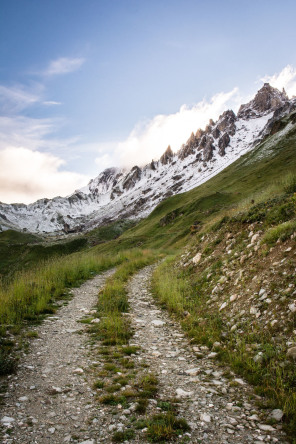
19,251
165,427
114,329
32,293
280,232
123,436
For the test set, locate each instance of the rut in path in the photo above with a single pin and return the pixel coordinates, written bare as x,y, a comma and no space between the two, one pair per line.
216,411
51,400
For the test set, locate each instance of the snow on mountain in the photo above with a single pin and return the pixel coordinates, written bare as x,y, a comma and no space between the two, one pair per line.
119,193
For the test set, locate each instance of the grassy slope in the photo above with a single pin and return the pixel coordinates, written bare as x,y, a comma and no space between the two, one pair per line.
20,250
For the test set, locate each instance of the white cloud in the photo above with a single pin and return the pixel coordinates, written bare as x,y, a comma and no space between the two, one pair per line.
63,65
16,98
51,103
16,131
27,175
149,140
285,79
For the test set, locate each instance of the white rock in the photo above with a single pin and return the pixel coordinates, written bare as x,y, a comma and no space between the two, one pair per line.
223,306
7,420
205,417
258,357
212,355
253,310
78,371
266,428
240,381
51,430
89,441
277,414
292,308
233,298
182,394
192,371
158,323
23,398
254,417
292,352
254,238
196,258
95,321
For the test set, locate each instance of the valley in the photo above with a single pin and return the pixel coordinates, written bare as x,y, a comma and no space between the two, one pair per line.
193,337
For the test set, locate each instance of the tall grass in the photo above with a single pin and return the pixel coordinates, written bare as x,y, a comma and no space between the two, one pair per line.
30,292
280,232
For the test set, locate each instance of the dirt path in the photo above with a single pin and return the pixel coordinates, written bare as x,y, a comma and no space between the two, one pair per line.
217,408
49,400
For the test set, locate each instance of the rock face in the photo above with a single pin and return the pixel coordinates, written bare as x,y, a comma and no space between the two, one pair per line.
134,193
167,156
266,100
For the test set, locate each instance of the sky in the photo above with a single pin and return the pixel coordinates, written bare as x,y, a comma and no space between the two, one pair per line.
90,84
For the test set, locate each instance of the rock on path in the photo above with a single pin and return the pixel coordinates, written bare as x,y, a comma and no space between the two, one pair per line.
49,400
218,410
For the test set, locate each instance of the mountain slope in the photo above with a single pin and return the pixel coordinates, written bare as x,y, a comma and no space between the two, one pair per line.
117,193
257,175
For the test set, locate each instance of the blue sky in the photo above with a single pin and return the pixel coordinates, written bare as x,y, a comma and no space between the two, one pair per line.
89,84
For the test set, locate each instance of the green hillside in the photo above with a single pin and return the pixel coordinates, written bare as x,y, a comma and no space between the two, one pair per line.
258,175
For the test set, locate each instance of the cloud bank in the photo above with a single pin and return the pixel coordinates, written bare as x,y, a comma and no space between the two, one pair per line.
148,140
63,65
27,175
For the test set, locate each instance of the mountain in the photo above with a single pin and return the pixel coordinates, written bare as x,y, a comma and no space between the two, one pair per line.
134,193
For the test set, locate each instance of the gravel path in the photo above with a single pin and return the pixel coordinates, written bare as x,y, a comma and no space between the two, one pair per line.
51,400
217,408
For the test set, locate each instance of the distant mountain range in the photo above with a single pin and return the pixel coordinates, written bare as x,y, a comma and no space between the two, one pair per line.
133,193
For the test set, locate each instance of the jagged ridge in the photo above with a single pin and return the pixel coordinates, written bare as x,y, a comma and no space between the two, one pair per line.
119,193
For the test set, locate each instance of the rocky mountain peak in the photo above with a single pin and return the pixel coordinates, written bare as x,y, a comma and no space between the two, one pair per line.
134,192
267,99
104,181
167,156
